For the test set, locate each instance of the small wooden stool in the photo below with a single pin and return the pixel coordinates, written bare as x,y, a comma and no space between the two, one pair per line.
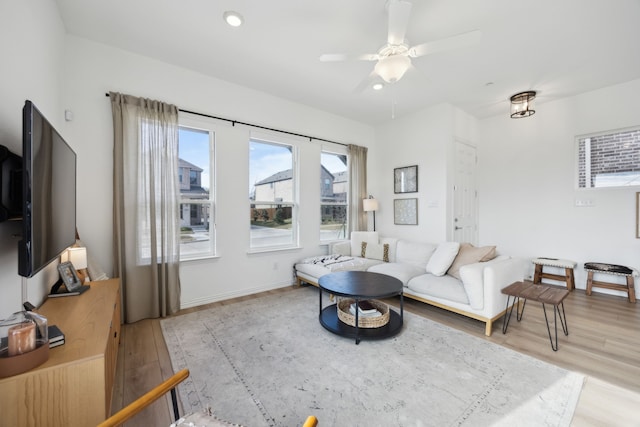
617,270
558,263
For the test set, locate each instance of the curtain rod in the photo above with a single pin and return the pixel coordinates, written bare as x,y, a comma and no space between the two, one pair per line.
234,122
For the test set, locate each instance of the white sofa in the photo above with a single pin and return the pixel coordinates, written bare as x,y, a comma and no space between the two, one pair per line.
445,275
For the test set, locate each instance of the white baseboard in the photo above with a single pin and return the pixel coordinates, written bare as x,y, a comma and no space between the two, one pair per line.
233,294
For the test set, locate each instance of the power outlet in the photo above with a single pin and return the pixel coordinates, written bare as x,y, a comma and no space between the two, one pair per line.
584,203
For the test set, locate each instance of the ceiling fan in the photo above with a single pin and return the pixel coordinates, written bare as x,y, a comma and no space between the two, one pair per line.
394,57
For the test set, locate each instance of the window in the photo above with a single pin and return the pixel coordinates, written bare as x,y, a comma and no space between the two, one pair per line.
272,195
609,160
334,176
196,160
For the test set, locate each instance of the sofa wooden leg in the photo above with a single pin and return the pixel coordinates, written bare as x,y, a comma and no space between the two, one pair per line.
488,327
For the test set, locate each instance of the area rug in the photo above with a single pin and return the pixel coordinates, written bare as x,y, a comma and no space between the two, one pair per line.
269,362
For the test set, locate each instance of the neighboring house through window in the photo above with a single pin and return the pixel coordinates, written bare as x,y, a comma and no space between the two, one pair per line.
334,178
196,160
272,195
609,159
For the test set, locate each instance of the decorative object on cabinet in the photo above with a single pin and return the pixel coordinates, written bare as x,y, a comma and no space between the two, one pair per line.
24,343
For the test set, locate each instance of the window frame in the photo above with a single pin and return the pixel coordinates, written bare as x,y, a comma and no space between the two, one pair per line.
336,152
278,140
202,125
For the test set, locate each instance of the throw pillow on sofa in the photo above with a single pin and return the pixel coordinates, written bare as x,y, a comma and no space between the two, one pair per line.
377,251
442,258
357,237
469,254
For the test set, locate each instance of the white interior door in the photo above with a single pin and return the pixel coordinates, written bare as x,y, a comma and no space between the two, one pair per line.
465,195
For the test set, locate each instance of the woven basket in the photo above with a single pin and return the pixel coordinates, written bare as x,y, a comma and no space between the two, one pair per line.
363,322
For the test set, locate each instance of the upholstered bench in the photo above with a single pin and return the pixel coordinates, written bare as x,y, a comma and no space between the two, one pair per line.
568,266
616,270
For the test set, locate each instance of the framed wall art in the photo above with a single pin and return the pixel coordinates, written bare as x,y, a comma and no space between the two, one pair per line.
405,211
405,179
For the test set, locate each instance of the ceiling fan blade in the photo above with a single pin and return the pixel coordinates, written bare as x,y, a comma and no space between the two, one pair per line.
336,57
399,12
455,42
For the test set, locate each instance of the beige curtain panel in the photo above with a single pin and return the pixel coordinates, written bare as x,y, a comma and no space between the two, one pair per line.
146,206
358,182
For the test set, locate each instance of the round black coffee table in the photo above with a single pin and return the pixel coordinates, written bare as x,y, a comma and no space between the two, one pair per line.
360,285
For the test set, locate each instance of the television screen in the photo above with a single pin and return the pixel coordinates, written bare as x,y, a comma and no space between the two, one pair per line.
48,192
10,185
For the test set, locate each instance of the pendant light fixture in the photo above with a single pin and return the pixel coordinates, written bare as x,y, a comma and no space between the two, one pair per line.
522,104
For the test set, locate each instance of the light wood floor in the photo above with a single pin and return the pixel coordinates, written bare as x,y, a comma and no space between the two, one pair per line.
603,344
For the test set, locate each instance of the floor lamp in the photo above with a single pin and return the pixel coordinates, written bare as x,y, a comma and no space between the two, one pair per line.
371,205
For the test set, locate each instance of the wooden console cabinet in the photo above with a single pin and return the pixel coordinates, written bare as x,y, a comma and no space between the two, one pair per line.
74,387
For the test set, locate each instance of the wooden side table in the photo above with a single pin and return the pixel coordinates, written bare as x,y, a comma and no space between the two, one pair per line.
544,294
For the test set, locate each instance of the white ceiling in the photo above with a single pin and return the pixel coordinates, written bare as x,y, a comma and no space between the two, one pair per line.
556,47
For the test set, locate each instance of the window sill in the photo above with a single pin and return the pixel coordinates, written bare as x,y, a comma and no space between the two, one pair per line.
273,249
200,258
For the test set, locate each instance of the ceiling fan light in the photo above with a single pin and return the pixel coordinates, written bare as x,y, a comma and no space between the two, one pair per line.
233,18
377,86
392,68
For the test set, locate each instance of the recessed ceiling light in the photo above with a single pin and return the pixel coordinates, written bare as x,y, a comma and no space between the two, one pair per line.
377,86
233,18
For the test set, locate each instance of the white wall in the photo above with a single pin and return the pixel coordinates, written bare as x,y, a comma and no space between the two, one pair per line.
426,139
31,46
92,69
527,170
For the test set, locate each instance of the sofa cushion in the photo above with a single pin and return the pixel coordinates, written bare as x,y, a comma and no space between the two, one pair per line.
445,287
341,248
357,237
414,253
442,258
469,254
375,251
402,272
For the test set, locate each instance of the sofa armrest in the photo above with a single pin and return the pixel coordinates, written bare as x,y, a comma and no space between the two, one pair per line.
497,276
341,248
483,281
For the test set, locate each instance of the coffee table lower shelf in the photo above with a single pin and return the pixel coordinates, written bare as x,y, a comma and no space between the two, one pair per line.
330,321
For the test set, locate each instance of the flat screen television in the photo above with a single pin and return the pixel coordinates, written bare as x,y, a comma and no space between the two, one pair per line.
48,193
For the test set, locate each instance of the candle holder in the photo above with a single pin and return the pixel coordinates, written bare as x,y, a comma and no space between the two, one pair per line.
24,343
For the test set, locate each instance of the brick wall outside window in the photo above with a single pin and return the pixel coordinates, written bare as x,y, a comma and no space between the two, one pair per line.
615,159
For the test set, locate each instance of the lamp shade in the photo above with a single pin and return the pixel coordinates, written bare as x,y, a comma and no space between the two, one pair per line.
77,256
392,68
522,104
369,205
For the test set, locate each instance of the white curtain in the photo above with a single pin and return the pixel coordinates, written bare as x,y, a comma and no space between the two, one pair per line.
146,206
358,183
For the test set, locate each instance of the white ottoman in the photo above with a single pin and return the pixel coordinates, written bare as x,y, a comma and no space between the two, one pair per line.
568,266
